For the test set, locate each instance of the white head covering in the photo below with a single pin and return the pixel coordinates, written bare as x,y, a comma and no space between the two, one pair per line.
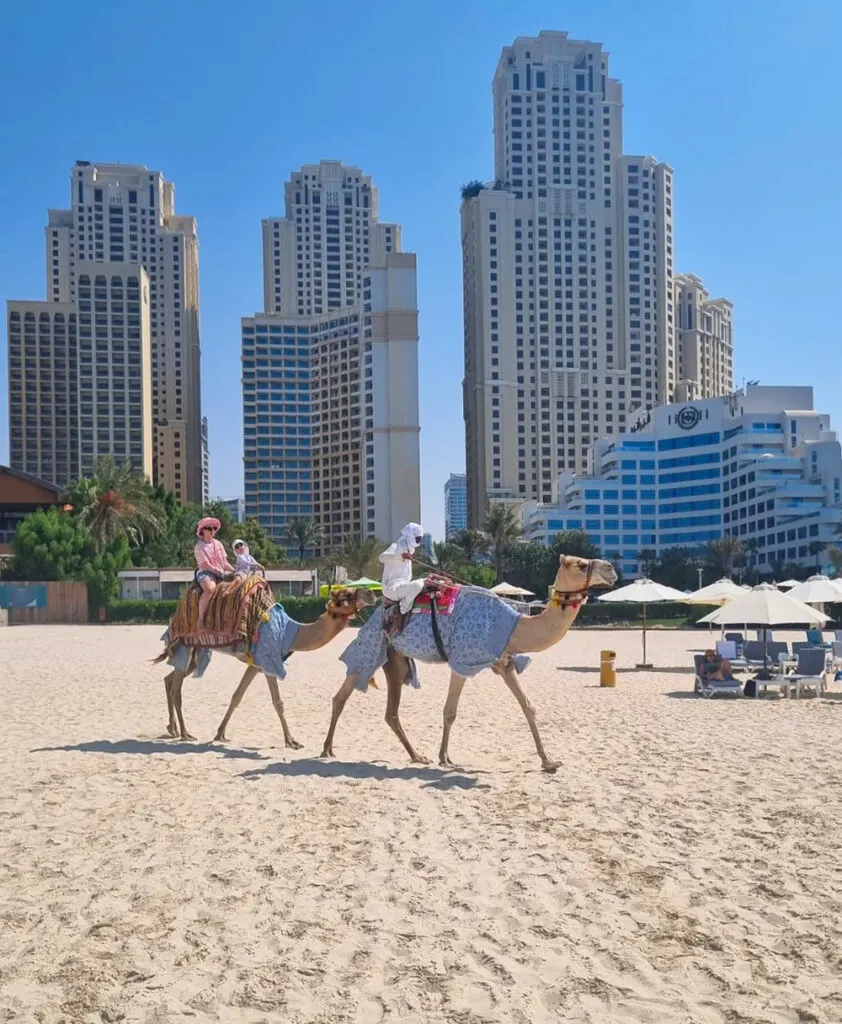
409,533
245,546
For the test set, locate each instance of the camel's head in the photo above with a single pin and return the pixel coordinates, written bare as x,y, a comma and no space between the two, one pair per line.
344,603
578,575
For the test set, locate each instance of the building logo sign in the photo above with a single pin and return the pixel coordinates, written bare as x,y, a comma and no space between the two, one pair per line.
689,417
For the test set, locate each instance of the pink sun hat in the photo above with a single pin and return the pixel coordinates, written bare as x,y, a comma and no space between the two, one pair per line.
207,521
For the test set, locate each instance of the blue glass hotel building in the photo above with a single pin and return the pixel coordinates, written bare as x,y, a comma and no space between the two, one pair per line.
760,464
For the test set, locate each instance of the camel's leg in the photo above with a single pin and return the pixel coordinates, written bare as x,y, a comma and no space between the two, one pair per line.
176,698
510,677
245,682
395,669
339,701
275,692
172,728
450,707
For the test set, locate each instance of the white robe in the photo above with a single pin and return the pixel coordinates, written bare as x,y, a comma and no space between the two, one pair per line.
398,584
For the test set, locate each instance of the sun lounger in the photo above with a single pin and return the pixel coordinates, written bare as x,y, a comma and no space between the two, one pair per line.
710,687
810,672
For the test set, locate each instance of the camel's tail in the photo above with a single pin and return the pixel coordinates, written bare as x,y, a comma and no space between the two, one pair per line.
373,682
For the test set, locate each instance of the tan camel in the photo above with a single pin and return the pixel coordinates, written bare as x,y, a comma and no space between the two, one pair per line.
342,606
575,577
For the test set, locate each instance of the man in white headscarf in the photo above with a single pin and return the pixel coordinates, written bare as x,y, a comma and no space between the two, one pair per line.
398,584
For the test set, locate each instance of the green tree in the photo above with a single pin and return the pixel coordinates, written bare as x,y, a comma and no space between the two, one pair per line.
101,574
677,568
647,562
531,566
816,548
449,558
478,575
834,556
360,556
723,553
502,528
50,545
114,503
471,542
575,543
302,534
472,189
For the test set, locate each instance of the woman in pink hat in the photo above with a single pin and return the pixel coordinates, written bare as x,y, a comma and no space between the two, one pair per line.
211,563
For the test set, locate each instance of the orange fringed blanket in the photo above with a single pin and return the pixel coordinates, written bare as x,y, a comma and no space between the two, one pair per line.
233,616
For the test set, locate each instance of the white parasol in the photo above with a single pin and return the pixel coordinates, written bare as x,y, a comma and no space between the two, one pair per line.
644,591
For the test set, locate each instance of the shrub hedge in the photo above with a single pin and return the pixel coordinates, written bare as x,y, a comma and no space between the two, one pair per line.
308,609
302,609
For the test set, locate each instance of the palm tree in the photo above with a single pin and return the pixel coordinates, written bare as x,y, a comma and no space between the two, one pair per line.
471,542
647,559
816,548
359,556
301,534
723,553
449,557
502,528
116,503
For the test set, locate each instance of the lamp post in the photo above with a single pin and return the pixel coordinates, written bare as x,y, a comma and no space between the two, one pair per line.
700,571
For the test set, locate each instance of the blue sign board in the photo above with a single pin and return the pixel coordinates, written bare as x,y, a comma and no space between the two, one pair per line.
23,595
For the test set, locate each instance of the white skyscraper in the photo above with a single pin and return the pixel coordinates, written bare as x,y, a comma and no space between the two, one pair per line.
330,368
568,275
124,214
705,342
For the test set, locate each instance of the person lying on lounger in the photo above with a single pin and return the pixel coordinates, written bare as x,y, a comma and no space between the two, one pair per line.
717,668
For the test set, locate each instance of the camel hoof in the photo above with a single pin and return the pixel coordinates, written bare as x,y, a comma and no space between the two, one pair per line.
445,762
418,759
294,745
327,752
220,738
187,736
551,767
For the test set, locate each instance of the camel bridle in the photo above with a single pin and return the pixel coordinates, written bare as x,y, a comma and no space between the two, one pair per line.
572,598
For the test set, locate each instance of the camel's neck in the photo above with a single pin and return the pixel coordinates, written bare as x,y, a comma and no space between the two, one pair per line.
313,635
538,632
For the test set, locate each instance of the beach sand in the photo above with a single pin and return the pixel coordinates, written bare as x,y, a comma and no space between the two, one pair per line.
683,866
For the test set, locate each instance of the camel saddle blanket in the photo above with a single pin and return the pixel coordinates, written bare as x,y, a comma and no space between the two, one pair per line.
445,598
474,636
233,616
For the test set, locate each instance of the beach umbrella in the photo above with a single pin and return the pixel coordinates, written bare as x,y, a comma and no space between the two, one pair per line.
363,583
817,590
786,584
765,605
510,590
720,592
644,591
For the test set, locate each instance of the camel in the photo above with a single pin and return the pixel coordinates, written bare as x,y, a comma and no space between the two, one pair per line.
342,606
471,623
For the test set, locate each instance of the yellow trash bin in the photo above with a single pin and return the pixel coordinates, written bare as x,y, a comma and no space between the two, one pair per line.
607,674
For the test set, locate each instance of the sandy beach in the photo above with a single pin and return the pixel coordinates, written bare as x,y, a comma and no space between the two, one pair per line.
682,867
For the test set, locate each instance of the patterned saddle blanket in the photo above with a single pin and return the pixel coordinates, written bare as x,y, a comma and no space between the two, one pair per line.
235,613
442,592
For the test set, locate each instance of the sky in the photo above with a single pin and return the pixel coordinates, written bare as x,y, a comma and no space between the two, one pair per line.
740,98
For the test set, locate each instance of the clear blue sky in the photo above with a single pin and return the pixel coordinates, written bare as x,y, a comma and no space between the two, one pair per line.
741,97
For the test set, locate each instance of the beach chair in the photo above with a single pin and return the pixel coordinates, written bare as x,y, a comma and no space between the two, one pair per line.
836,660
753,653
765,636
837,635
738,639
816,638
710,687
810,672
728,649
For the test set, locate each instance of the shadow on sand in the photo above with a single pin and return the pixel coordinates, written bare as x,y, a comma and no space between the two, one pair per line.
155,747
630,670
433,778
